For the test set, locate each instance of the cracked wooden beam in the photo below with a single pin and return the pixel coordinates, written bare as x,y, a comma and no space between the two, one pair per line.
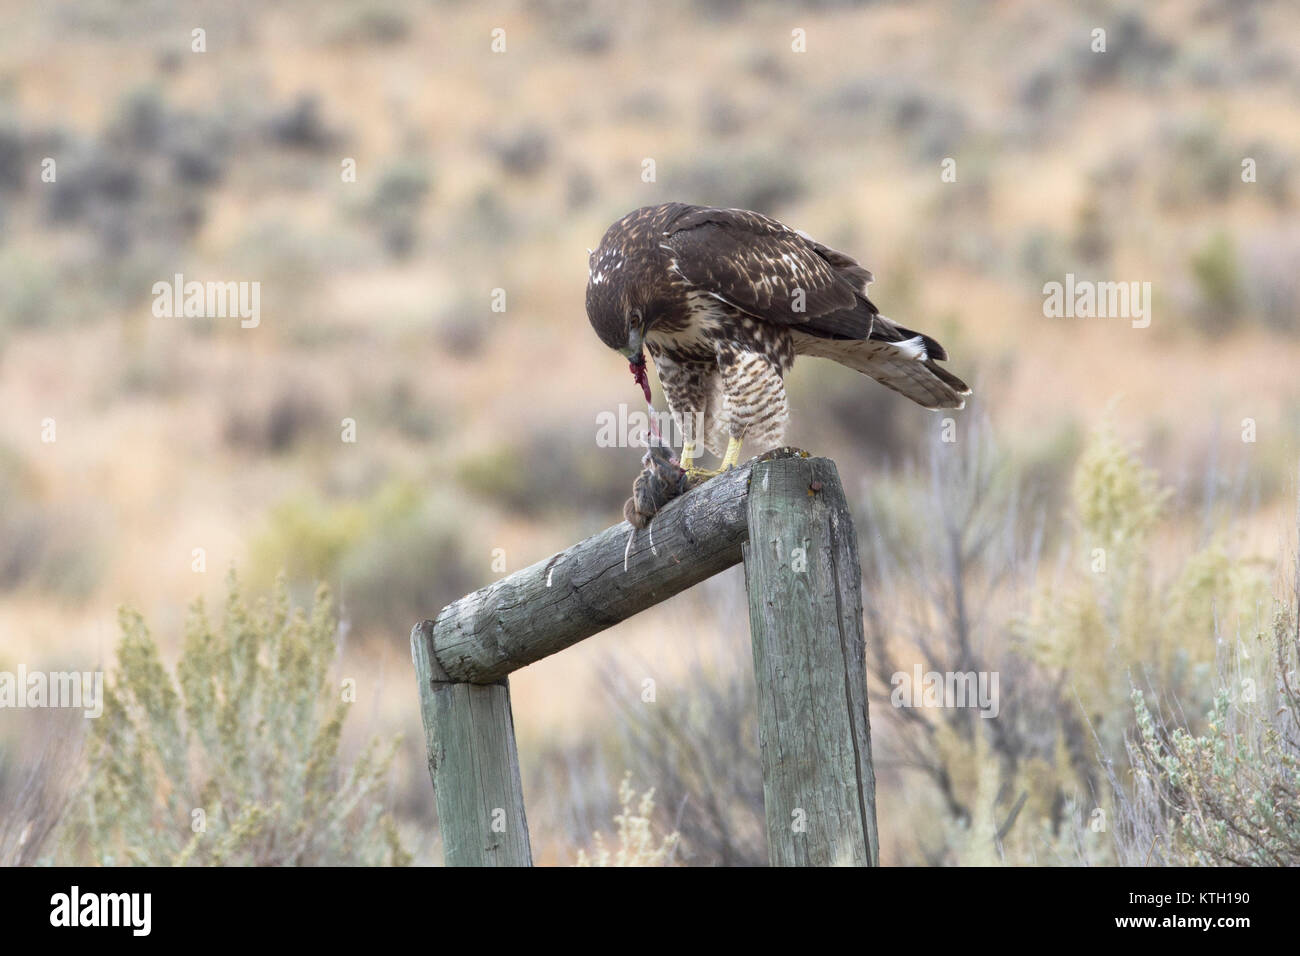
586,588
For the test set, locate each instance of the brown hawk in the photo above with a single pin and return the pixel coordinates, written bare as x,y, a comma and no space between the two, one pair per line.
724,299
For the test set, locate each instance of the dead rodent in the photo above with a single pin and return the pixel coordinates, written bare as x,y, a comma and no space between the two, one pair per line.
660,481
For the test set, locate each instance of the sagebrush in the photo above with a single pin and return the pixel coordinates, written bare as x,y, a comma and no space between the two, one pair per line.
235,758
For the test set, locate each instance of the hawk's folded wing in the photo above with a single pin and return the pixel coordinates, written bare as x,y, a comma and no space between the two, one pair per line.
768,271
780,275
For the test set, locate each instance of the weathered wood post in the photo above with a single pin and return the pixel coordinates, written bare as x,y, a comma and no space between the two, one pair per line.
805,619
474,763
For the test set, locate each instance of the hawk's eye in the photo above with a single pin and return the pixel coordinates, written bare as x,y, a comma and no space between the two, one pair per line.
634,318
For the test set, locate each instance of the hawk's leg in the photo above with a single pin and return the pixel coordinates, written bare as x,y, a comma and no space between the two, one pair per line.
732,458
754,405
690,388
729,461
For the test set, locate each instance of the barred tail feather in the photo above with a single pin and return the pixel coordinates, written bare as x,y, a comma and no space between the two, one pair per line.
923,382
902,366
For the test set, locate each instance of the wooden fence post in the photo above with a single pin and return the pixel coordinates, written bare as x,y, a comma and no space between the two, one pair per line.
474,764
786,516
805,618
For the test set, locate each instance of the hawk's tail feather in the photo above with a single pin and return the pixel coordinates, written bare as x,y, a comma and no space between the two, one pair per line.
932,348
952,381
907,366
913,348
923,382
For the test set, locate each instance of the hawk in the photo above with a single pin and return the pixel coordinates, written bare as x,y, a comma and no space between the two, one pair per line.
723,300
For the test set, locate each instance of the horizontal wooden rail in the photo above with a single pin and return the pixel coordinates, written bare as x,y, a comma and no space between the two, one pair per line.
584,589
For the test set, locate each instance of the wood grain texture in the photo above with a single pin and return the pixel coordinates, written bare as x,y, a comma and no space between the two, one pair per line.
805,612
584,589
474,764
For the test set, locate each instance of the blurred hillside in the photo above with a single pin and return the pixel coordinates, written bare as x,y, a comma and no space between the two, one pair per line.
475,429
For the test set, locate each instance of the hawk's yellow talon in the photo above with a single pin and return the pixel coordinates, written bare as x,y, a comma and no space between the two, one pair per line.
688,455
732,458
694,474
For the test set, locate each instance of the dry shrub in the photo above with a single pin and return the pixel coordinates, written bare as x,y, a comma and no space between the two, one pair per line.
233,759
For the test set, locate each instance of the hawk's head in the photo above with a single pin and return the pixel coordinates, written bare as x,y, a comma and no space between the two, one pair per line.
619,321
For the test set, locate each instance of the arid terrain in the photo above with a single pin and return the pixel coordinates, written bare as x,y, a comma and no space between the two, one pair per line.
387,177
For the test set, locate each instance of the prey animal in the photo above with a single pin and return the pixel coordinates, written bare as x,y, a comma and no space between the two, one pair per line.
724,300
661,479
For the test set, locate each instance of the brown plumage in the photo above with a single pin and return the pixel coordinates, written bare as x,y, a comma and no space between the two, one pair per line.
724,299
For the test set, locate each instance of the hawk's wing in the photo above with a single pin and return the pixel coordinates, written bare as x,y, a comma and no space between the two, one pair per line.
760,266
772,272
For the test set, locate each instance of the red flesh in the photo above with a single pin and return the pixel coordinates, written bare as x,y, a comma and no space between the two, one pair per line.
640,377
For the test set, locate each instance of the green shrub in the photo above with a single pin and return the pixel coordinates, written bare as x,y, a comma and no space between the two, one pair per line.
396,204
306,538
1230,796
551,471
234,760
1218,283
1048,780
395,557
28,291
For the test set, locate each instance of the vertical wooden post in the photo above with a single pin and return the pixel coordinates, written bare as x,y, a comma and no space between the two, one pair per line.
474,764
805,614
